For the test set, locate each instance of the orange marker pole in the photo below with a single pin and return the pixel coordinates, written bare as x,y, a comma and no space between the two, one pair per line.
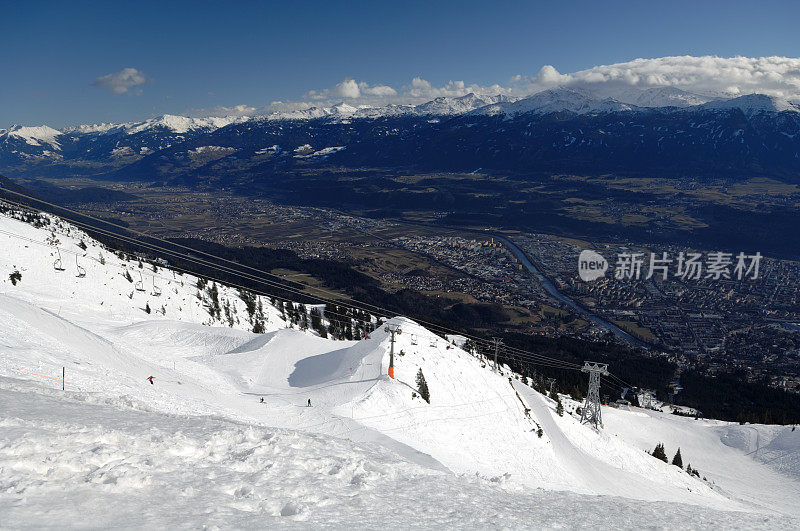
63,377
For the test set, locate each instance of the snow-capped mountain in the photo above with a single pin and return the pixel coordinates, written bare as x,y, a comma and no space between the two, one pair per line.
753,104
106,143
26,142
68,302
663,97
168,122
33,136
563,129
555,100
449,106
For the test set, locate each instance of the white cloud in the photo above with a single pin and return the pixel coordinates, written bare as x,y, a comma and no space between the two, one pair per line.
422,89
775,76
347,89
708,75
220,111
351,89
121,82
383,91
711,75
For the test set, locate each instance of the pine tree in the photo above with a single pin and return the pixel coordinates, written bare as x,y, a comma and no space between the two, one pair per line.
576,394
660,453
559,407
677,461
422,386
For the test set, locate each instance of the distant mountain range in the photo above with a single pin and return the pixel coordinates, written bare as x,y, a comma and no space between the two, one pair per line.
663,131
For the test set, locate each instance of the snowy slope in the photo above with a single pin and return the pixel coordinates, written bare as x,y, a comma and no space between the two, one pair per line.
69,460
448,106
168,122
34,136
369,432
753,104
556,100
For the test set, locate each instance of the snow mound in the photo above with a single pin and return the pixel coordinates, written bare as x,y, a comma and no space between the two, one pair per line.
76,463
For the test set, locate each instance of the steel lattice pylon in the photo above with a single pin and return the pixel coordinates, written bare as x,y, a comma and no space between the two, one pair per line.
591,408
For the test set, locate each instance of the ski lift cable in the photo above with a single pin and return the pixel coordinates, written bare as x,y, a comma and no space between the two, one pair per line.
533,357
187,248
374,309
252,277
233,271
227,283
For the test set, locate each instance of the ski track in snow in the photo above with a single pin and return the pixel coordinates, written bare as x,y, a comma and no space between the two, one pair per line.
68,462
199,448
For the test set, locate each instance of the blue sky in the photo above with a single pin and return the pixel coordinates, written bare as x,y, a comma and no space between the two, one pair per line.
198,55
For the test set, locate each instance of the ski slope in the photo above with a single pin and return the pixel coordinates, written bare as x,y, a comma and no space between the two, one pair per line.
364,436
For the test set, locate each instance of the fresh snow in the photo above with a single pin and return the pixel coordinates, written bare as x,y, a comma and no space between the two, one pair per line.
752,104
34,136
73,461
183,124
578,100
199,448
663,97
556,100
445,106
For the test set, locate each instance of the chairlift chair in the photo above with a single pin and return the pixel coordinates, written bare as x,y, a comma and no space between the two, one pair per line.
57,264
413,339
140,283
81,271
156,290
433,342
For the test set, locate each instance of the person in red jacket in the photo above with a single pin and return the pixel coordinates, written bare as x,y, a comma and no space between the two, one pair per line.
150,379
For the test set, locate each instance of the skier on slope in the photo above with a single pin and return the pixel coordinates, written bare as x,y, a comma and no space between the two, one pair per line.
262,399
309,402
150,379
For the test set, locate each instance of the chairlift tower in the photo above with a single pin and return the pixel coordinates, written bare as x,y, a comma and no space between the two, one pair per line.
591,408
497,342
392,329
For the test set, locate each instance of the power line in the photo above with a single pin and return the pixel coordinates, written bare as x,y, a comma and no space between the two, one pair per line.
531,357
